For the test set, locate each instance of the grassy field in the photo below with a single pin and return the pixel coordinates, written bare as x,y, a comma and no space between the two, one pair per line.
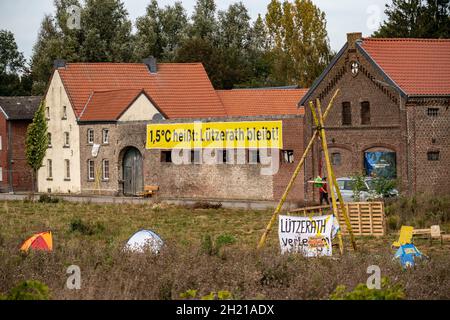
92,236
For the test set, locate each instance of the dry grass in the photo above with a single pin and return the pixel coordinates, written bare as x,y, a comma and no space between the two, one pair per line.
108,273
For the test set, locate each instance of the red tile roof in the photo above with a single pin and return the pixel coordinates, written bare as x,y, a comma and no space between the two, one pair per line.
109,105
181,90
418,66
264,102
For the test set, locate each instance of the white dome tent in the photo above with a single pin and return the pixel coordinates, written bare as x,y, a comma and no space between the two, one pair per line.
144,239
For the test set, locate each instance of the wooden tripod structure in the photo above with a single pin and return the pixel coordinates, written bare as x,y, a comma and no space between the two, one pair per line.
319,120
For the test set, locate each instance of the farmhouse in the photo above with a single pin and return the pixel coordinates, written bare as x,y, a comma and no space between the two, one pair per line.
392,116
113,127
16,113
98,115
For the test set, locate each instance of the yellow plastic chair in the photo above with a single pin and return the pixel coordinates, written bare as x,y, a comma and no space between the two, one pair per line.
406,234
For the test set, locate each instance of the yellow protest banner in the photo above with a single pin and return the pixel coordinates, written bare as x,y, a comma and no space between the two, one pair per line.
216,135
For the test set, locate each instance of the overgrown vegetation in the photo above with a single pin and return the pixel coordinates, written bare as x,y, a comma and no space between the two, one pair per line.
361,292
28,290
230,262
420,211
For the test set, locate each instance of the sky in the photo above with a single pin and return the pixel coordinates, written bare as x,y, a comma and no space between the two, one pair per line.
23,17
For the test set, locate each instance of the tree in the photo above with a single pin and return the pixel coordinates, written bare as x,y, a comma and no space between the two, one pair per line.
104,36
416,19
37,142
107,32
160,32
13,70
300,45
204,23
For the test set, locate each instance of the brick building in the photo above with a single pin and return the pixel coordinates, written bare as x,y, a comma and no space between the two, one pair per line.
97,117
393,106
16,113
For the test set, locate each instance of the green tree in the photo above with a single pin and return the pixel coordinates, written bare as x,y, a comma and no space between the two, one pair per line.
13,69
204,22
160,32
37,141
300,45
416,19
107,32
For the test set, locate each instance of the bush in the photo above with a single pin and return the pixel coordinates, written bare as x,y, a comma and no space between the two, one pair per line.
48,199
361,292
383,186
358,185
211,247
88,229
206,205
29,290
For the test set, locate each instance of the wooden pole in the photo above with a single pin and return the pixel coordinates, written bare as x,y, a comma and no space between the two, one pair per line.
294,176
321,130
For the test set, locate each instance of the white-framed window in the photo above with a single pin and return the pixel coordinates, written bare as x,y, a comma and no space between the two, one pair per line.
1,174
67,169
47,113
288,156
64,115
49,169
105,169
49,136
254,156
90,136
66,139
1,145
105,136
91,170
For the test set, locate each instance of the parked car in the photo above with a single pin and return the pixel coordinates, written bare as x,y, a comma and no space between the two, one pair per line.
368,192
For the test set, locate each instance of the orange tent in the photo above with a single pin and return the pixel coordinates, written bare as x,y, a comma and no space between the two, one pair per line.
40,241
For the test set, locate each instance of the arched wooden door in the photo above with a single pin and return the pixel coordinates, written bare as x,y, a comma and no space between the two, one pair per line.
132,172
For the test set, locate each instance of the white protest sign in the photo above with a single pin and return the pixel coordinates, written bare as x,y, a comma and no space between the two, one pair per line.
95,149
310,236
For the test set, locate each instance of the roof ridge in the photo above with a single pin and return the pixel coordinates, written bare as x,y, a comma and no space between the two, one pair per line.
121,89
406,39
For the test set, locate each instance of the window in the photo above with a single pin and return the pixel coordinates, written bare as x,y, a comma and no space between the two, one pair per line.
67,169
1,174
433,112
64,116
105,169
105,136
91,170
433,156
196,157
90,136
1,146
66,139
287,156
49,136
365,113
336,159
49,169
254,156
346,114
166,156
227,156
47,113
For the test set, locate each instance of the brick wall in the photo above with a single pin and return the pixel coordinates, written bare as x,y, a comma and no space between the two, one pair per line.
430,133
220,181
22,172
387,120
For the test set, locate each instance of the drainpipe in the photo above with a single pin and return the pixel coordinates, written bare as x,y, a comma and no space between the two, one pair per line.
10,162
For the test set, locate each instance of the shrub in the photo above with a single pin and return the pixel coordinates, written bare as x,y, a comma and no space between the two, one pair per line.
361,292
29,290
383,186
48,199
211,247
206,205
358,185
88,229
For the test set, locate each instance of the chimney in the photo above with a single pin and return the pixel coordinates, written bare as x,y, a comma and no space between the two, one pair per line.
59,63
352,38
151,64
